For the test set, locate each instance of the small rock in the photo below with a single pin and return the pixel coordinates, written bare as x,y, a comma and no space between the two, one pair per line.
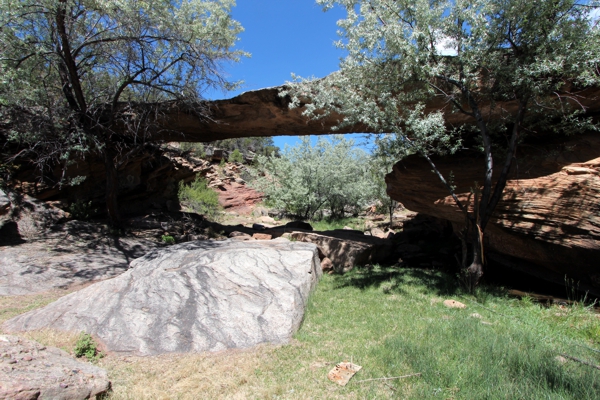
377,232
192,238
326,265
267,219
262,236
560,359
260,211
476,315
454,304
343,372
239,234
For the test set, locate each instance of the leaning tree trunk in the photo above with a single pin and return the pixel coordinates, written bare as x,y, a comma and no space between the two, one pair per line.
112,188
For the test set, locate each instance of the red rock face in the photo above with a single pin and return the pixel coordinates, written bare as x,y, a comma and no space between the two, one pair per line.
238,197
549,215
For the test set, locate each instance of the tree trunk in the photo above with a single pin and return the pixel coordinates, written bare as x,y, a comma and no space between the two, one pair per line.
112,188
474,272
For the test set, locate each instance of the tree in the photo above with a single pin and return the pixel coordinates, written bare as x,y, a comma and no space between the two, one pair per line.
522,61
383,160
236,156
75,72
307,180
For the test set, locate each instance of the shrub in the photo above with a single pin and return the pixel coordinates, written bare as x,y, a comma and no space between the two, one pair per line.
331,178
167,239
236,156
199,198
81,210
86,347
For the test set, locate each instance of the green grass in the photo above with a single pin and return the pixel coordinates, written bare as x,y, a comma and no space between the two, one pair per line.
394,323
328,225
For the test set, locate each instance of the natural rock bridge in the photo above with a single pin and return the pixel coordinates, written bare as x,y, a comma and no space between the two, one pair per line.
547,223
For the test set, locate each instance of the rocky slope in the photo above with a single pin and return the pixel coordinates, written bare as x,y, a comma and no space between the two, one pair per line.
148,181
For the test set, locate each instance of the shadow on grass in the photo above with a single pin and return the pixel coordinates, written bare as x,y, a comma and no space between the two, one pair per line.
391,279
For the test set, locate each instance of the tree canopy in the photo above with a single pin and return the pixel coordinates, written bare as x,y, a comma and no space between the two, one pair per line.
332,177
524,60
70,69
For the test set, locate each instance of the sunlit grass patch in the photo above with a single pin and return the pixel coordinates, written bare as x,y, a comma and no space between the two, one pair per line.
331,224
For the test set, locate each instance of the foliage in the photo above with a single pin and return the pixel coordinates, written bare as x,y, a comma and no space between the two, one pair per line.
383,161
309,181
82,210
248,145
236,156
197,149
199,198
525,61
167,239
80,76
86,347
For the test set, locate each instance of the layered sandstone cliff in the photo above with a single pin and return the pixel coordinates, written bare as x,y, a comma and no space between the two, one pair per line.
548,221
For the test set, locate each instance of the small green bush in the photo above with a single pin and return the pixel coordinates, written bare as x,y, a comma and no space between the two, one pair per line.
167,239
236,156
81,210
86,347
199,198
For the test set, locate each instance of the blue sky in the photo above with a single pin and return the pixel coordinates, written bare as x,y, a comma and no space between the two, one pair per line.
283,37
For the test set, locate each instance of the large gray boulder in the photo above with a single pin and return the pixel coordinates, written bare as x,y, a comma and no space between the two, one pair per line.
29,370
196,296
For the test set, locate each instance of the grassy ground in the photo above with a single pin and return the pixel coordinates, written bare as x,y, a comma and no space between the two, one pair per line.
327,225
392,322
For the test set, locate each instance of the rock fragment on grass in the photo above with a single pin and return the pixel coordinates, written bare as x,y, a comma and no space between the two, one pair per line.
343,372
454,304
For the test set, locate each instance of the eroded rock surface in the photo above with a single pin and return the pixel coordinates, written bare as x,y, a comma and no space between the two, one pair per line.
29,370
197,296
347,249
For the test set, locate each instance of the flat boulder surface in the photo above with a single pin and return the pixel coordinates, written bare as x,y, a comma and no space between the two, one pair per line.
195,296
29,370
